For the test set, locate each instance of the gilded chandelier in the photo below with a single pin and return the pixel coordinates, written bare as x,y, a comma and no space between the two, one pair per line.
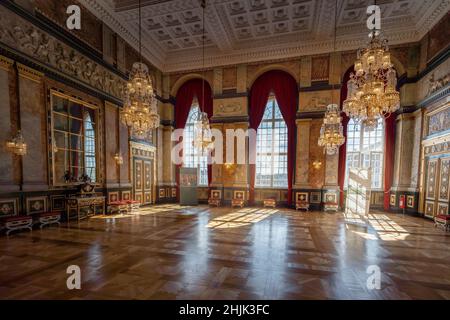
202,130
372,92
331,132
202,134
140,111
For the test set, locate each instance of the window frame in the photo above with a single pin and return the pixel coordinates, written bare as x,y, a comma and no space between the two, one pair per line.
196,158
53,94
274,145
360,154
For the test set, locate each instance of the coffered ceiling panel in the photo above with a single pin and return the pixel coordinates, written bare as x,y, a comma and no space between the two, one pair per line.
240,31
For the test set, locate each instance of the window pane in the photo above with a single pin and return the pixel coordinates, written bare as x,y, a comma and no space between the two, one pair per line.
271,148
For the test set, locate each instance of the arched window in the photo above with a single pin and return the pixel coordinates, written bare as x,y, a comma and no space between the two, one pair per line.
272,148
191,157
365,149
89,146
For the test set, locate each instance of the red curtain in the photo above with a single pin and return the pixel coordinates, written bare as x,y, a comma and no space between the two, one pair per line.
285,89
185,96
389,155
343,148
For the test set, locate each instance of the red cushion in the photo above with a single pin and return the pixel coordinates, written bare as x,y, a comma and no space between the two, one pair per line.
17,218
49,214
443,217
118,203
132,202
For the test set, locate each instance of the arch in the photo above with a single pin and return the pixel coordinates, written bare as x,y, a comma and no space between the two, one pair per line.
272,67
182,80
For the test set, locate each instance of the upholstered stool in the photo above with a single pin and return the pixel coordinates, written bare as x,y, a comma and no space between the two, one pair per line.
331,206
272,203
237,203
133,205
120,207
214,202
442,220
49,218
302,205
18,223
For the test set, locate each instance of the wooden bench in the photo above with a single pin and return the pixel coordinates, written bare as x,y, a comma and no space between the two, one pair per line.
237,203
302,205
331,206
18,223
133,205
214,202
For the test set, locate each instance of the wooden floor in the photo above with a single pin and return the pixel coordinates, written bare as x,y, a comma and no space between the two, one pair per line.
170,252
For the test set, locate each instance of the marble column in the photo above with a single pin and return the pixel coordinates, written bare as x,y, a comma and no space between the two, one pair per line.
33,120
302,165
6,158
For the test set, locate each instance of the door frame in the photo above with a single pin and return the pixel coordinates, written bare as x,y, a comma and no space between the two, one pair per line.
145,152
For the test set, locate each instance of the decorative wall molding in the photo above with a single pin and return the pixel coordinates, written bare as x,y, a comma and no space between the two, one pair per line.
24,37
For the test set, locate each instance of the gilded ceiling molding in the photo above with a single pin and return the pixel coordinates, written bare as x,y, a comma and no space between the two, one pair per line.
29,73
5,63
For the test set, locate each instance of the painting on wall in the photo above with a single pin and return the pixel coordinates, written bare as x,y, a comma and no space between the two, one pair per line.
58,203
393,200
239,195
188,177
301,197
330,198
36,205
216,194
410,201
126,195
174,192
8,207
113,197
316,197
162,193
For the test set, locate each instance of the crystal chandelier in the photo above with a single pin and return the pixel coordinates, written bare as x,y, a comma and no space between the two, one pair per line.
331,132
140,111
202,129
17,145
372,92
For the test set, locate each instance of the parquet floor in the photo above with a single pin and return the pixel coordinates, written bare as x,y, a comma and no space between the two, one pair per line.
170,252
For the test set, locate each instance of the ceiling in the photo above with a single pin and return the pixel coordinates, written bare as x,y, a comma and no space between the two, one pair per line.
239,31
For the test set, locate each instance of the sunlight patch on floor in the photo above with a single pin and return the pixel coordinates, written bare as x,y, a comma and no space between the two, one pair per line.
243,217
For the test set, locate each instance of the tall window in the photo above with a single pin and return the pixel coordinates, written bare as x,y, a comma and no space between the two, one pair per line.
365,149
271,148
89,146
191,157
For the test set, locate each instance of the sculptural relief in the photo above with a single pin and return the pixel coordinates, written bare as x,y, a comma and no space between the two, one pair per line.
26,38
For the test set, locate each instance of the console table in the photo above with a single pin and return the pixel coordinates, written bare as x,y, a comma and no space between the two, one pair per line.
80,208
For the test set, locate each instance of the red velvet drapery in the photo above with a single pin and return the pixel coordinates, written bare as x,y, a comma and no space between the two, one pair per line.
185,96
343,148
389,155
285,89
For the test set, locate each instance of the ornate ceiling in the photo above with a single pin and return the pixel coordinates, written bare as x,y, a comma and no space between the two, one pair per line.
239,31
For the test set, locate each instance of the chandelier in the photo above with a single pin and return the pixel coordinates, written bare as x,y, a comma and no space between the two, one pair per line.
202,129
372,92
140,111
17,145
332,133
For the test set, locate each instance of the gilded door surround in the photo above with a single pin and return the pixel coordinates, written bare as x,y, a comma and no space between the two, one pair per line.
146,153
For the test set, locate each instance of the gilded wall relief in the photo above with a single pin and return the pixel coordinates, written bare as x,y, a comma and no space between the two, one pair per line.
25,37
317,101
431,179
439,122
444,180
433,81
231,107
320,69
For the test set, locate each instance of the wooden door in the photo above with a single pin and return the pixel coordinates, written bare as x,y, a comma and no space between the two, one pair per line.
437,195
142,180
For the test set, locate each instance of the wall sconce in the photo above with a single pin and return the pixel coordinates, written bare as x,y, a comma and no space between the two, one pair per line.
317,164
119,159
54,147
17,145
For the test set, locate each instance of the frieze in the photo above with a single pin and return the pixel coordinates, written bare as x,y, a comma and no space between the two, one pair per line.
439,122
437,148
24,37
435,85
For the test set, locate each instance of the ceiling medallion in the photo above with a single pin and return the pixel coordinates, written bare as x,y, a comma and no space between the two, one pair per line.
372,89
140,111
